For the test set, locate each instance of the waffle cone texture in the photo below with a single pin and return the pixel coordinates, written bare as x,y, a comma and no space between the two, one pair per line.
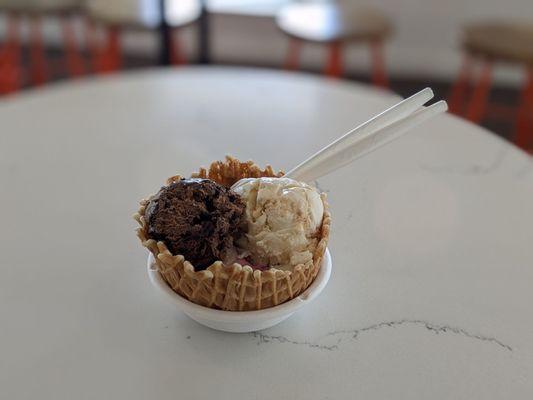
233,287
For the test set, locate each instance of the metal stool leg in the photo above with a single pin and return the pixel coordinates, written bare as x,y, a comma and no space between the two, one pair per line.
73,59
292,60
334,66
379,75
524,123
8,79
93,44
110,58
114,48
458,93
176,52
10,63
480,96
39,68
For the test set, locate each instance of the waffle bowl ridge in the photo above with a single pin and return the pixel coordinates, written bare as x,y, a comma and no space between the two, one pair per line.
233,287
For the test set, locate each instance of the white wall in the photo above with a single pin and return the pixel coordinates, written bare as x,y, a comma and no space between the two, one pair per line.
425,43
428,31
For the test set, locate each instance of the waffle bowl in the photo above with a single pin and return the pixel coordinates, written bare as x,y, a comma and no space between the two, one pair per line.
241,321
233,287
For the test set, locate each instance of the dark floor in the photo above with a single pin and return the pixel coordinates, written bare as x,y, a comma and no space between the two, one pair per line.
404,86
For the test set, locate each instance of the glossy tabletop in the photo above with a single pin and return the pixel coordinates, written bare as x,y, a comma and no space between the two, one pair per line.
431,291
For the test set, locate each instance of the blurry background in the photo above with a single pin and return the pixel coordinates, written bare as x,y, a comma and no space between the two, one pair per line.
400,45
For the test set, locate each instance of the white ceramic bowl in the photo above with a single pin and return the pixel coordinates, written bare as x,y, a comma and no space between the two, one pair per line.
242,321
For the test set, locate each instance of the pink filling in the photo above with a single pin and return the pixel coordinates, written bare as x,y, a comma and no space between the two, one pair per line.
244,261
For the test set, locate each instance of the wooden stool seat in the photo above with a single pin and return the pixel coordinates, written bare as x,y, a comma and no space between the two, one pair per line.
335,25
40,6
142,14
485,45
327,22
503,42
13,6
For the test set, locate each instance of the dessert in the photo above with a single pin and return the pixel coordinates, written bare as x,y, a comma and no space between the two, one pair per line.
197,218
225,241
283,217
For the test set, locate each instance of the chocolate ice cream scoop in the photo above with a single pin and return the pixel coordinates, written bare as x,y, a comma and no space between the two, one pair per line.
196,218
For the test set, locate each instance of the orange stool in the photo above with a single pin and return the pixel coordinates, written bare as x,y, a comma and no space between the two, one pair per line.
119,16
486,45
33,11
10,49
335,25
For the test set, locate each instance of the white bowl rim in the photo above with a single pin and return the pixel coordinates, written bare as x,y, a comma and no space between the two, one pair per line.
212,314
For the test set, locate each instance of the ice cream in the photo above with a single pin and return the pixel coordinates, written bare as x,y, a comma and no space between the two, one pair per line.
277,224
283,219
196,218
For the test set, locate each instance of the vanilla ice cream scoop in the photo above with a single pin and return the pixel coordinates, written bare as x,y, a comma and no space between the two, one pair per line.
283,219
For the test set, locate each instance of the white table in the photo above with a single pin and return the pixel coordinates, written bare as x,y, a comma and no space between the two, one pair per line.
432,289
